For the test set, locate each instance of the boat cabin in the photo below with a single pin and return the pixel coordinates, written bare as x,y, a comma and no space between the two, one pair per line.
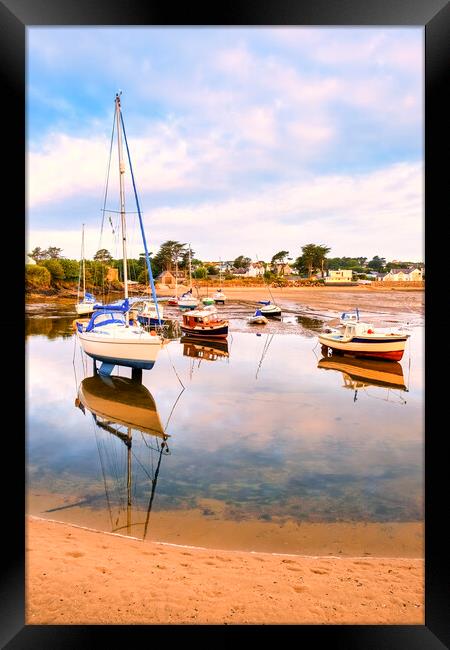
200,317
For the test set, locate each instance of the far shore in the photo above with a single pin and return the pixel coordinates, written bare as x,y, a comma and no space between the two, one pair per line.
389,299
79,576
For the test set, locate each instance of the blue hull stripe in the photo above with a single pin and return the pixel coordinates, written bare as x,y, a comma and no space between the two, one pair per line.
129,363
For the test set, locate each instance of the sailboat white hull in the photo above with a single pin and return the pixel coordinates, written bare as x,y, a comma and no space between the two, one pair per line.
83,308
190,303
130,347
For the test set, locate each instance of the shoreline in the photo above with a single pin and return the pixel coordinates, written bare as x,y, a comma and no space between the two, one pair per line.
74,572
373,300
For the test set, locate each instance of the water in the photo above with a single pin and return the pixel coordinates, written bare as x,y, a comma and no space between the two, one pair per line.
256,440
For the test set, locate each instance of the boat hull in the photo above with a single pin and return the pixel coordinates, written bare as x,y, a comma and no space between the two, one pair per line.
83,308
133,354
271,312
149,321
378,349
207,332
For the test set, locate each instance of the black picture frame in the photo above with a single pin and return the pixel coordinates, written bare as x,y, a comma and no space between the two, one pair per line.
433,15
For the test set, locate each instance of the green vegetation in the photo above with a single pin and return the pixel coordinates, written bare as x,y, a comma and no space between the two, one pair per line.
55,268
37,277
51,268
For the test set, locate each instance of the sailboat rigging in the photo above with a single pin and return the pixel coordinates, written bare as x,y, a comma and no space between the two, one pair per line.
187,300
87,304
109,337
269,308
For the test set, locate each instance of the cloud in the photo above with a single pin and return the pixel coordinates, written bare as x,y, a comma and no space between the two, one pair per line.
349,213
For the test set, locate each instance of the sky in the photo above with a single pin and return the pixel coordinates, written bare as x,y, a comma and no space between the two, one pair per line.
243,141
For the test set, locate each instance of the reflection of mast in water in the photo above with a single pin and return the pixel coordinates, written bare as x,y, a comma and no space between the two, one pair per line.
363,373
120,406
267,343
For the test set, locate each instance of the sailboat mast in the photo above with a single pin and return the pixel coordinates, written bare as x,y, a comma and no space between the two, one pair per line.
122,201
176,278
82,257
190,273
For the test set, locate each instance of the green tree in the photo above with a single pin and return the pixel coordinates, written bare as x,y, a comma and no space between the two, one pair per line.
279,258
53,253
37,276
103,255
200,272
170,254
71,268
37,254
377,263
242,262
55,268
321,255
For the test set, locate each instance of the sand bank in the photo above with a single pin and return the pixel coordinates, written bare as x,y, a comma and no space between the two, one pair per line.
79,576
366,298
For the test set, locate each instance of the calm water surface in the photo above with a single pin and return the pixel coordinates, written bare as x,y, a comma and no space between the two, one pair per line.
263,431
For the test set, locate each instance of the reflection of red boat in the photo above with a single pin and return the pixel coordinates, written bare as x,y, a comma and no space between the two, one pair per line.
204,323
358,373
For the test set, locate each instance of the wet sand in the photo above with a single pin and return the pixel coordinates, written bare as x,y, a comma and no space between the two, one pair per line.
209,525
379,298
79,576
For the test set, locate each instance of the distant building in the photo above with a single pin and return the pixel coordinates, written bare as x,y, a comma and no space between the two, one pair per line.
412,274
170,277
341,276
29,260
255,269
283,269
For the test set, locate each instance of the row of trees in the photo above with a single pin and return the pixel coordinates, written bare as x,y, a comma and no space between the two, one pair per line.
174,255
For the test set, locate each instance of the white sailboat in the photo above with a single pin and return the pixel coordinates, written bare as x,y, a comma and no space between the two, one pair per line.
187,300
109,337
86,305
219,297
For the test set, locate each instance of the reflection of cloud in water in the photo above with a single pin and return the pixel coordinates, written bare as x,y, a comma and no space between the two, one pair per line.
293,434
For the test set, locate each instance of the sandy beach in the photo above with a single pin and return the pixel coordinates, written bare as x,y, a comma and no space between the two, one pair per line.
80,576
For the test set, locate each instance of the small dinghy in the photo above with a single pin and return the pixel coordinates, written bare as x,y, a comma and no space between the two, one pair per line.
257,319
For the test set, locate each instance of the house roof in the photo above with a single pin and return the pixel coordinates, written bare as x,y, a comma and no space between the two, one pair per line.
406,271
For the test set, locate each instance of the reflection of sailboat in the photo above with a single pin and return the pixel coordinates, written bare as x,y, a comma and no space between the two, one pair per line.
358,373
121,407
267,343
207,350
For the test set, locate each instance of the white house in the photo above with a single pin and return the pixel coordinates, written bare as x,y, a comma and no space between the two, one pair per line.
404,275
255,269
340,275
